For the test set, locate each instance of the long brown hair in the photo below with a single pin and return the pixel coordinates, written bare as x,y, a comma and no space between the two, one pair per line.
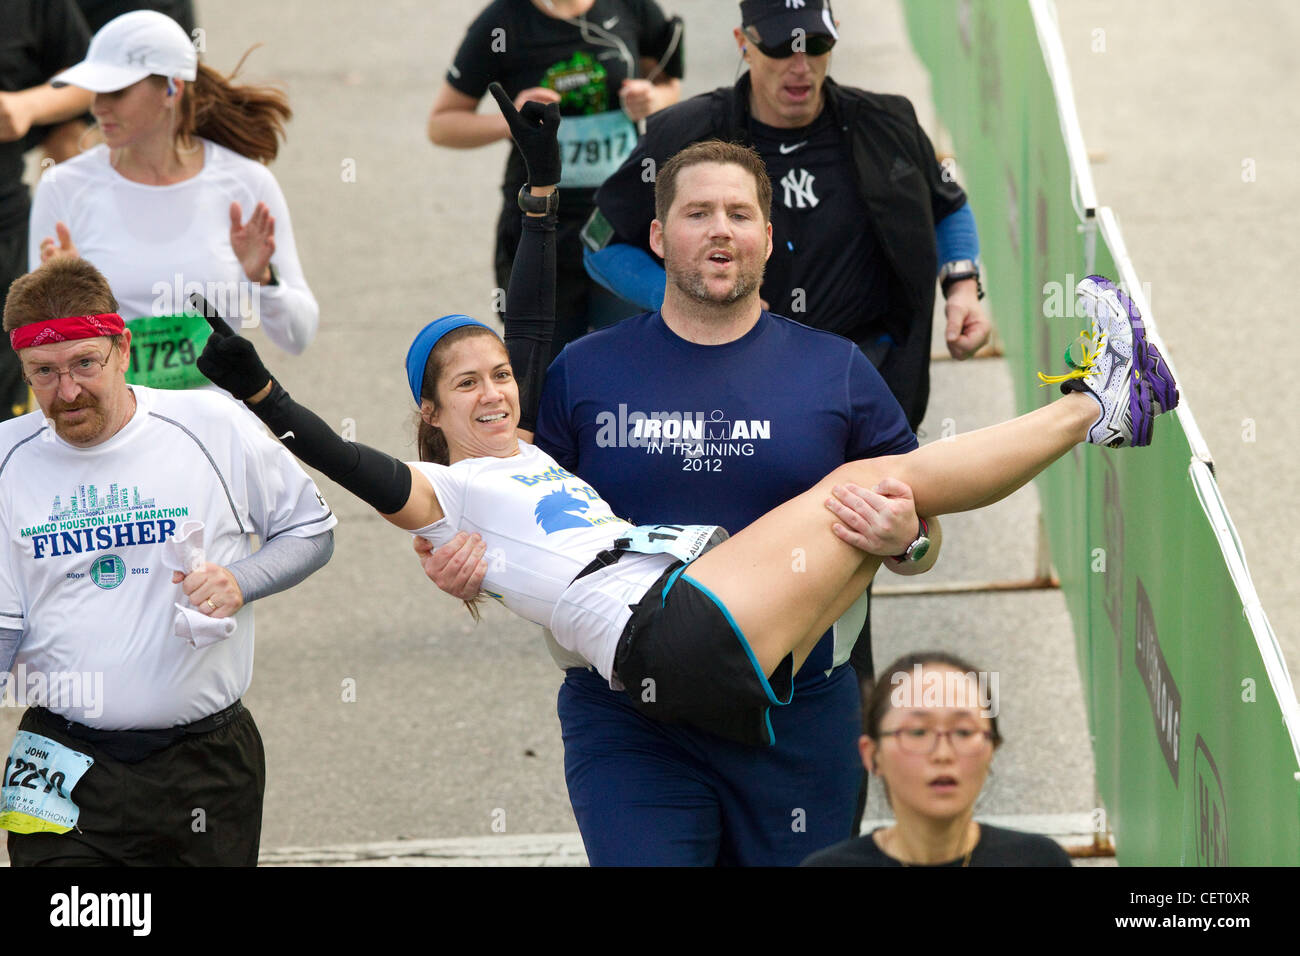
245,118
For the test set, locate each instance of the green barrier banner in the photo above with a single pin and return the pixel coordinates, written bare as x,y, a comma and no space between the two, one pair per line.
1199,762
1194,721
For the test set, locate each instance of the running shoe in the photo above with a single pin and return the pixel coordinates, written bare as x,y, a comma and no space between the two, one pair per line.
1119,367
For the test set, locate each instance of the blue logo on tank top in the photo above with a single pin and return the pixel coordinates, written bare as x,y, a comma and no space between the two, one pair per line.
560,510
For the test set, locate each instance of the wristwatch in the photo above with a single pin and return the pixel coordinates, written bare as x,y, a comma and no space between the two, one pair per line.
917,549
546,205
960,269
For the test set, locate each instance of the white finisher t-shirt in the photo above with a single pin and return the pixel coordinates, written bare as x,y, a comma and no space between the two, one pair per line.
81,570
156,244
542,525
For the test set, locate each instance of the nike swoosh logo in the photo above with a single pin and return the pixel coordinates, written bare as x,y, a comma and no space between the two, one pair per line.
609,24
786,150
288,434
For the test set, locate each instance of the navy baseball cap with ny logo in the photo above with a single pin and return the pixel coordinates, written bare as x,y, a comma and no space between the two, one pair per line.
777,20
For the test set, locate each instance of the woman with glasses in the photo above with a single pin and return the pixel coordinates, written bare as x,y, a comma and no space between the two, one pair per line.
931,728
176,200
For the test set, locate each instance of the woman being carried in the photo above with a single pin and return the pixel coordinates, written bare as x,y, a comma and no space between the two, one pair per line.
698,629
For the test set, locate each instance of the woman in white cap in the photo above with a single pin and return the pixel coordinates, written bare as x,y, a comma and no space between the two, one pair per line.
176,200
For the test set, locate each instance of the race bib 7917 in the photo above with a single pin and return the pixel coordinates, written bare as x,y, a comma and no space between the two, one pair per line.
592,147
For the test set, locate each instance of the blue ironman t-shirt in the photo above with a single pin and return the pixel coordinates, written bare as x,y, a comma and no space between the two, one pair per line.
671,432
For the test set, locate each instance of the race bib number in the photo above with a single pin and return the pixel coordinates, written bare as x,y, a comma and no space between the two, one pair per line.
164,349
685,542
39,776
592,147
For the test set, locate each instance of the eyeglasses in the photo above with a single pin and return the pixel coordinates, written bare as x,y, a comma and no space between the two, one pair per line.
83,370
922,741
818,44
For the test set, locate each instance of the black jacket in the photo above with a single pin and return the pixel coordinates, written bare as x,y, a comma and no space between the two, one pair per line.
899,180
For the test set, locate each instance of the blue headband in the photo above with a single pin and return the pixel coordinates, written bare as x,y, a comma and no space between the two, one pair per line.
417,357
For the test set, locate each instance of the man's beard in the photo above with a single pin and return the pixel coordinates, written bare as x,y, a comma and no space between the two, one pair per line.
89,425
692,283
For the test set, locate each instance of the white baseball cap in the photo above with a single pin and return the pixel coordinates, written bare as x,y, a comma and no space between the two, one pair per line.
130,47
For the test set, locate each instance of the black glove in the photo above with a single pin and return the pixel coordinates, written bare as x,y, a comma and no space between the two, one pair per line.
229,360
534,129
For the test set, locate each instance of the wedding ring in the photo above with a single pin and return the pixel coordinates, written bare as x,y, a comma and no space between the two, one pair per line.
212,606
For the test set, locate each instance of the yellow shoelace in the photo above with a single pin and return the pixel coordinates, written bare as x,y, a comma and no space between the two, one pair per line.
1091,352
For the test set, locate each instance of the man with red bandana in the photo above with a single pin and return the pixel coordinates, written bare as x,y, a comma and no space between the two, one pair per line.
126,575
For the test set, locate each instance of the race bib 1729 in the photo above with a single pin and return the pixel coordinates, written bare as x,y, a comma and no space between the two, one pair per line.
164,349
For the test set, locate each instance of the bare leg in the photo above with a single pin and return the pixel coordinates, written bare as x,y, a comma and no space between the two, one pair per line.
786,577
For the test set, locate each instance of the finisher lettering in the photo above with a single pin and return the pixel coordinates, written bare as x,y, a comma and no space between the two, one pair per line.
63,543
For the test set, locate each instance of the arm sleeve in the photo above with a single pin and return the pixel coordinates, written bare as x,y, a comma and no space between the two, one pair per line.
280,564
956,236
475,63
554,433
288,311
9,641
379,480
629,272
530,312
11,618
879,426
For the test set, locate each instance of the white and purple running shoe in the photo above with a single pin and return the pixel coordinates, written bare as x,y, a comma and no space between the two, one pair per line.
1120,368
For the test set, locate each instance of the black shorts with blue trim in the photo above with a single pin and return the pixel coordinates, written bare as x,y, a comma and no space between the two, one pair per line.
682,660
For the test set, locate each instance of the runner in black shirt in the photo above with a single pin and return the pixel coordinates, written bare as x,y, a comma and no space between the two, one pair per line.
817,219
590,56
